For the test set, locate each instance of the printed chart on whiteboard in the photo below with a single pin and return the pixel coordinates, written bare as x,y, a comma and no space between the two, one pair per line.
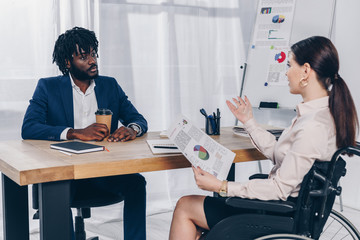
277,67
278,25
273,23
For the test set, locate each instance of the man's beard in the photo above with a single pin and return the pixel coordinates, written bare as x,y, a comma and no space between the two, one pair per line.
81,75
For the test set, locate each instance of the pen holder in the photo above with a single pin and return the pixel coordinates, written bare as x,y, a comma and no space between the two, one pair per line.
212,122
212,125
208,127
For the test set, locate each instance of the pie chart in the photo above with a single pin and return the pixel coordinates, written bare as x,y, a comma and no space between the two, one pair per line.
280,57
278,19
201,152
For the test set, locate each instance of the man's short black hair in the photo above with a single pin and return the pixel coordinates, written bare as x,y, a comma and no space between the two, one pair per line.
67,44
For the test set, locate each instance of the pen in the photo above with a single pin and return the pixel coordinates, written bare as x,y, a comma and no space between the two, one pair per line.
203,112
212,122
217,121
66,153
168,147
215,125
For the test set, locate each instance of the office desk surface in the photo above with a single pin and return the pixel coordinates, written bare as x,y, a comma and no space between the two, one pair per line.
32,161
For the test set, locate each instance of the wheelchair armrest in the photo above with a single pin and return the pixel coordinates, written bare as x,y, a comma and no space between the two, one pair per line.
259,176
271,205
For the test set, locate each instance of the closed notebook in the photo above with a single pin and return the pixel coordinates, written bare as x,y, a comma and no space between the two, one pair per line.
77,147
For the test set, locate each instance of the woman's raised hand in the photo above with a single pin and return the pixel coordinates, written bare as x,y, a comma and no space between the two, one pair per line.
242,110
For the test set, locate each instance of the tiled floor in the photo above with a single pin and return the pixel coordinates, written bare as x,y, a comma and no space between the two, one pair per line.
158,226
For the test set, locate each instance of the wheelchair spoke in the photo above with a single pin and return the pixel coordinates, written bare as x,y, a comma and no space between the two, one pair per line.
328,224
338,227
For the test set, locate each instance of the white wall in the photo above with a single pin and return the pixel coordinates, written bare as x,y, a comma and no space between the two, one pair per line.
346,37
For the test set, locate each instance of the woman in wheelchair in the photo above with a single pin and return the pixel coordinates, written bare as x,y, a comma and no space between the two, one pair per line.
326,120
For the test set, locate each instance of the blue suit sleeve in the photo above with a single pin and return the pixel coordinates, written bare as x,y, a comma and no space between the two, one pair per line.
35,124
128,113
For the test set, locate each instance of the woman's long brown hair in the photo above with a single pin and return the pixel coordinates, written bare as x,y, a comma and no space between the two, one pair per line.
323,57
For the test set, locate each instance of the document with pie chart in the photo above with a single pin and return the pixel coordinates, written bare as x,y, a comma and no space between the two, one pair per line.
277,66
200,149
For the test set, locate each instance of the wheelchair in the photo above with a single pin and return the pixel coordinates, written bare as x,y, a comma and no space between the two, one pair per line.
309,216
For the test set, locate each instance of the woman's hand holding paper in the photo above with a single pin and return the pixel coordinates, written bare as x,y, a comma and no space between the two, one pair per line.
205,180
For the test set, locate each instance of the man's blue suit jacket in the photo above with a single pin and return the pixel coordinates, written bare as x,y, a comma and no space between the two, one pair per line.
51,107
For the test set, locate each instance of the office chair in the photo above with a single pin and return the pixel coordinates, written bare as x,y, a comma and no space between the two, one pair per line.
83,202
305,215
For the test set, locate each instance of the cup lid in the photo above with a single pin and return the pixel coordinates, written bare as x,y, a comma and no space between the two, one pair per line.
103,111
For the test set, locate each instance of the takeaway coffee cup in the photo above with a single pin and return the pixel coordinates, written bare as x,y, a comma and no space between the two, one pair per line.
104,116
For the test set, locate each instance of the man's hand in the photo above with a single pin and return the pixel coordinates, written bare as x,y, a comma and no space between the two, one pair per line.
122,134
96,131
205,180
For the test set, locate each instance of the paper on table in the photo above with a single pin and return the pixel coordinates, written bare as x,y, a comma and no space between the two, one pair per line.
273,130
200,149
162,143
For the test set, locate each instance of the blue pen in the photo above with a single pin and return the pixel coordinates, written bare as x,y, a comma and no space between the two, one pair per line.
212,122
203,112
217,121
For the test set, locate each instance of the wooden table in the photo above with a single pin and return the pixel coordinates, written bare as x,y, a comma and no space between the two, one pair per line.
24,162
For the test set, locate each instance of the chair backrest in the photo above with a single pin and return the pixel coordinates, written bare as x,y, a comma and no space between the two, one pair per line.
317,194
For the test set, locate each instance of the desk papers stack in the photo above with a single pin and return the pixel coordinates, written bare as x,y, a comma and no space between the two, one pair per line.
162,146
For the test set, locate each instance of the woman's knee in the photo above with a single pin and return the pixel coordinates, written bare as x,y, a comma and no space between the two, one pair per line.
191,208
185,203
182,205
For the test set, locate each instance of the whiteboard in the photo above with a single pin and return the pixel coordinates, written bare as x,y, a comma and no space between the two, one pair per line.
311,17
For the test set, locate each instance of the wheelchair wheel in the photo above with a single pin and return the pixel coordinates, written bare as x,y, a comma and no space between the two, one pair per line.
339,227
283,237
